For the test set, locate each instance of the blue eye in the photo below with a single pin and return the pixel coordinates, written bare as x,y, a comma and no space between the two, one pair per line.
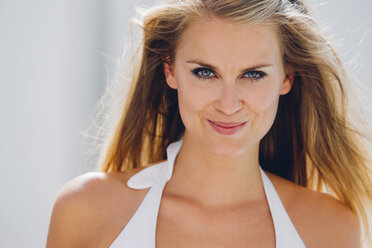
254,75
203,73
206,73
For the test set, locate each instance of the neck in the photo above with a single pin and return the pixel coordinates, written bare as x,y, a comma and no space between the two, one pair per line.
212,180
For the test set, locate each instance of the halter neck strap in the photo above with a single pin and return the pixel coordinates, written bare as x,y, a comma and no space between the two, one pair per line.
147,177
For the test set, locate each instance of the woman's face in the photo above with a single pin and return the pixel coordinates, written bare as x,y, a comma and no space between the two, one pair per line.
229,78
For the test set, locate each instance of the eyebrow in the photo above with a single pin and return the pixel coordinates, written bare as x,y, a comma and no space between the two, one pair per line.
214,68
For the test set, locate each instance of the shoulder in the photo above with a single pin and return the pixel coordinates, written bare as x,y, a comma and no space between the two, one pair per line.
94,187
89,202
320,219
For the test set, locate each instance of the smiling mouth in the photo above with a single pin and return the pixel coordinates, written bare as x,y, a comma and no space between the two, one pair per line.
227,128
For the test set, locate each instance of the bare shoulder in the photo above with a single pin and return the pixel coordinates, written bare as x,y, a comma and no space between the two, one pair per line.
91,203
320,219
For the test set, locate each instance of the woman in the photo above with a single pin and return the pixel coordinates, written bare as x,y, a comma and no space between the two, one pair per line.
223,89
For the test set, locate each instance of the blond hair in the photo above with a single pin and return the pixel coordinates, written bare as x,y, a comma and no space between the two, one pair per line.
314,140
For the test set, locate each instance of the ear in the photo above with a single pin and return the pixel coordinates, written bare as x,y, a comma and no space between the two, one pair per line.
169,75
287,82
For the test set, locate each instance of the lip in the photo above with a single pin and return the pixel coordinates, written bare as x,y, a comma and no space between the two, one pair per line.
227,128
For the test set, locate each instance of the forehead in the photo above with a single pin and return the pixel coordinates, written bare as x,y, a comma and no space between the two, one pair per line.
216,39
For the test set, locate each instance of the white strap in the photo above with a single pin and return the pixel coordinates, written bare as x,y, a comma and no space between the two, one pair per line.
285,232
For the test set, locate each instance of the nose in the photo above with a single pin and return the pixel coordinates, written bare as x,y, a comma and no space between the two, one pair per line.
229,101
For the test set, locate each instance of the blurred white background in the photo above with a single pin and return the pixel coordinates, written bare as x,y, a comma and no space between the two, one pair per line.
53,69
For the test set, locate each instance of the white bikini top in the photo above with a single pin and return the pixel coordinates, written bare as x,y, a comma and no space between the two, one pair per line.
141,229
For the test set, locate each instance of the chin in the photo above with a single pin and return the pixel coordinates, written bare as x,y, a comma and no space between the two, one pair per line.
228,148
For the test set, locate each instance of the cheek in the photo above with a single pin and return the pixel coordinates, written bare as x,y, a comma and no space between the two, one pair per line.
262,98
263,103
186,106
193,98
194,94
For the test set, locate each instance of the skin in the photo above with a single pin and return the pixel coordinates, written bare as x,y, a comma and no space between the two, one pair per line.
230,94
215,197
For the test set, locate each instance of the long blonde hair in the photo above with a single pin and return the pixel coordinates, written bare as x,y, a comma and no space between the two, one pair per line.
314,141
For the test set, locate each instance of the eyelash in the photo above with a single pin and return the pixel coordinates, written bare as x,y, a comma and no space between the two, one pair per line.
196,72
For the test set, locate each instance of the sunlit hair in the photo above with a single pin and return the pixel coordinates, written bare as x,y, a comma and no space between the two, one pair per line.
314,141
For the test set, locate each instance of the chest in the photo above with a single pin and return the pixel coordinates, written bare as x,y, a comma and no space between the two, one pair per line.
184,225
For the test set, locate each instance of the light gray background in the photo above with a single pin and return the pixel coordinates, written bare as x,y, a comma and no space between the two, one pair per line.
53,68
